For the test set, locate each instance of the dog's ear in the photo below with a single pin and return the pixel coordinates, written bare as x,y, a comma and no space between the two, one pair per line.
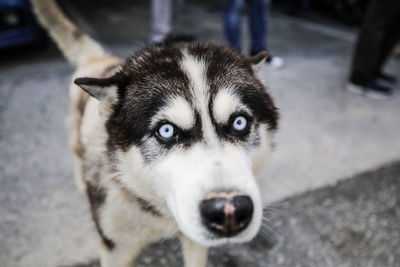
103,89
257,60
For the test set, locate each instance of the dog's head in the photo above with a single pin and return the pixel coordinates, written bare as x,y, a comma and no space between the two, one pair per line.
188,126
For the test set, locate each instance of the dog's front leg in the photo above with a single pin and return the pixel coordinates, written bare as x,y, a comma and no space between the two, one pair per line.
122,255
194,255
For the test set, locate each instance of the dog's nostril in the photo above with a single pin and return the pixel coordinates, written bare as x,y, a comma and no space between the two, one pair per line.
218,218
226,216
240,218
212,211
243,209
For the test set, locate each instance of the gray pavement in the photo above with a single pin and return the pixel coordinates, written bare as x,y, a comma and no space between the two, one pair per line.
326,135
353,224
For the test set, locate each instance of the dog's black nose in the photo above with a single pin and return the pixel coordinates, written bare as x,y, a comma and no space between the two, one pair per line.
226,216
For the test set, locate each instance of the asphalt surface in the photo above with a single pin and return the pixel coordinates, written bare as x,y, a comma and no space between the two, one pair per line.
352,224
326,135
355,223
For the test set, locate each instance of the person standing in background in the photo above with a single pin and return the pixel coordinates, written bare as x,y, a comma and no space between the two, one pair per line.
379,34
297,7
165,19
258,24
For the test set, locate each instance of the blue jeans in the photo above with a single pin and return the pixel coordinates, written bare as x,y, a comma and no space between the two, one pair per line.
258,23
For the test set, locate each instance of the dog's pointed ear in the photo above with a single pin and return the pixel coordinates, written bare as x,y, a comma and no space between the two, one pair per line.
99,88
103,89
257,60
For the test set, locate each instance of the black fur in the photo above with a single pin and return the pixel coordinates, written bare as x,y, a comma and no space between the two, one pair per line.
150,76
97,196
146,206
229,67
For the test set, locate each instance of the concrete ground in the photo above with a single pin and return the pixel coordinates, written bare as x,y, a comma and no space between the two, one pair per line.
326,135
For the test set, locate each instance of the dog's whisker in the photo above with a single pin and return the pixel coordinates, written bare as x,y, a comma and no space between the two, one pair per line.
267,230
264,218
276,206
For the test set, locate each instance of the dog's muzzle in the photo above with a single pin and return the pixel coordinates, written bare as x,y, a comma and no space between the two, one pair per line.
226,214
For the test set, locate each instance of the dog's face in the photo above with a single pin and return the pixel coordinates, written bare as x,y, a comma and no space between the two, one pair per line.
188,127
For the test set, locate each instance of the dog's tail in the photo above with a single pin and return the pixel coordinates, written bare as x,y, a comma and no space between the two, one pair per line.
76,45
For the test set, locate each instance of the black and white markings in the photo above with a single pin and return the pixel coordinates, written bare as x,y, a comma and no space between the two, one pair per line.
192,91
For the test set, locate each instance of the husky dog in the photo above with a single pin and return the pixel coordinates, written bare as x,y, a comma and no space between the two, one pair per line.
167,142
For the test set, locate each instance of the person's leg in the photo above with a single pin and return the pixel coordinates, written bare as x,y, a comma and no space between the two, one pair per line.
161,20
305,5
370,49
258,22
232,22
373,46
291,6
392,36
391,39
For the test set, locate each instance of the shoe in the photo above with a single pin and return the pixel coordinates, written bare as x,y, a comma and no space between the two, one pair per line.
275,62
385,77
375,91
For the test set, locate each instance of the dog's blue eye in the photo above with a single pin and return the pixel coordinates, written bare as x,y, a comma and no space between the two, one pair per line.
240,123
166,131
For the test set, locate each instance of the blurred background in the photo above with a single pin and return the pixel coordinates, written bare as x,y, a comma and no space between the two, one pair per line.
331,188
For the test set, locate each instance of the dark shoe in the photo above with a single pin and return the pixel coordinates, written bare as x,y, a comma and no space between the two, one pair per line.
375,91
387,78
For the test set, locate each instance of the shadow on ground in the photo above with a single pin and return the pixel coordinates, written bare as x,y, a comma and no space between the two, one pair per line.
354,223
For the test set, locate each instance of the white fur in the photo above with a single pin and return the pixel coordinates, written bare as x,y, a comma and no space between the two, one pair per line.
131,165
107,95
263,150
194,255
195,69
108,100
177,111
124,220
185,177
225,103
